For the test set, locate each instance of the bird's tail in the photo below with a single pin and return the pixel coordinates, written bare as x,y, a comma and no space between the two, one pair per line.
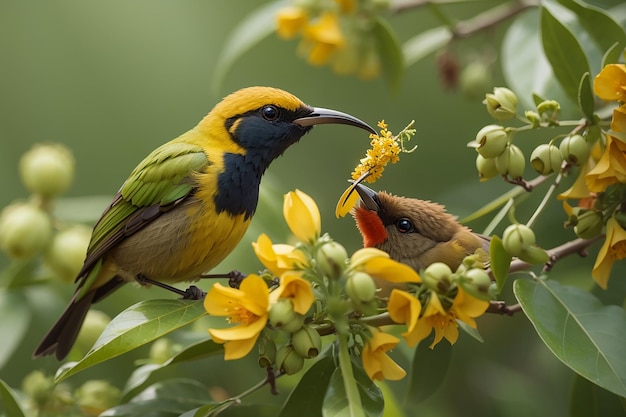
61,337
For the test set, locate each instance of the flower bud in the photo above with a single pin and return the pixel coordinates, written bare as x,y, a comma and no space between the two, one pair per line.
162,350
95,322
39,387
533,117
490,141
288,360
574,149
511,162
47,170
282,316
474,80
517,238
589,224
438,277
549,111
66,253
96,396
307,342
360,287
332,259
267,352
25,230
501,104
546,159
486,168
477,283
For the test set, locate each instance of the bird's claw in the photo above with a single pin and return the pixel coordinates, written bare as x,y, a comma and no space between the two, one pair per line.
193,293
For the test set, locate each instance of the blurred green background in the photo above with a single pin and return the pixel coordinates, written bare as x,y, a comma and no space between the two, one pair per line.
114,79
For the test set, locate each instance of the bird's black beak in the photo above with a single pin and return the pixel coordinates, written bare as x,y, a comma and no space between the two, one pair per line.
368,197
321,116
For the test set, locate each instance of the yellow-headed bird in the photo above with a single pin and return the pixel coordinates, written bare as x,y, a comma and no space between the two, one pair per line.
187,204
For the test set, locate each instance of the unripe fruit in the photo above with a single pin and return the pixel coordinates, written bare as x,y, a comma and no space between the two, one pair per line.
282,316
502,104
546,159
491,141
517,238
307,342
331,259
589,224
477,283
38,387
267,352
96,396
486,167
66,253
474,80
25,230
47,169
438,277
511,162
288,360
360,287
574,149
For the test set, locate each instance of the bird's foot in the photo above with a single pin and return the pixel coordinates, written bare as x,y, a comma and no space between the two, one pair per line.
234,277
193,293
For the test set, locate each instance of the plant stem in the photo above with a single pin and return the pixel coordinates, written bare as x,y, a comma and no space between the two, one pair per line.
545,200
349,383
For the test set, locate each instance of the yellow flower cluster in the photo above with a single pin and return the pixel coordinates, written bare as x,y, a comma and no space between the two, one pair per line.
332,33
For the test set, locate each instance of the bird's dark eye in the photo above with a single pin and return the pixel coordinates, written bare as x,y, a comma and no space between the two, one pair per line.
404,225
270,113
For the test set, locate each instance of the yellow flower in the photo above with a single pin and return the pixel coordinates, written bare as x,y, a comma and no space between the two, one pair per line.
614,248
384,149
610,84
405,308
302,216
377,263
464,308
246,306
611,167
290,21
323,37
278,258
296,289
618,124
378,365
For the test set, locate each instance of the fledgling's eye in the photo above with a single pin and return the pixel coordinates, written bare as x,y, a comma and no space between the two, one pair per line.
270,113
404,225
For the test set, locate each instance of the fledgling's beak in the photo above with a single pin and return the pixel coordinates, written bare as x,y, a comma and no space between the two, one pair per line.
321,116
368,197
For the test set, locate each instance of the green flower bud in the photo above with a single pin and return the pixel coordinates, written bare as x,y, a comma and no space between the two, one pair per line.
474,80
25,230
39,387
95,323
549,111
47,169
96,396
477,283
589,224
267,351
490,141
360,287
574,149
486,168
533,117
66,253
163,349
332,259
438,277
501,104
511,162
307,342
517,238
282,316
288,360
546,159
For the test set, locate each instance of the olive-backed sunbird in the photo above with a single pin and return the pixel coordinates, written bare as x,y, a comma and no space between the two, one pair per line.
188,203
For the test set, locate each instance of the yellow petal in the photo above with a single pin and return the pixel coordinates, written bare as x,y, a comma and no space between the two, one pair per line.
297,289
405,308
377,364
256,294
219,300
610,83
390,270
302,216
241,331
346,202
290,21
237,349
466,307
363,255
618,124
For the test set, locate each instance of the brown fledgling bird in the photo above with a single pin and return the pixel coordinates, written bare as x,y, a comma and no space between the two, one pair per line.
412,231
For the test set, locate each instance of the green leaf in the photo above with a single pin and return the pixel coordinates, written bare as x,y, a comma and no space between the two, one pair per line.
253,29
588,399
585,335
586,101
135,327
428,370
305,400
564,52
9,401
15,318
500,261
424,44
173,397
390,53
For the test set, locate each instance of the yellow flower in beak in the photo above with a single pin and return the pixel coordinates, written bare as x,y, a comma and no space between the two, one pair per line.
246,307
302,216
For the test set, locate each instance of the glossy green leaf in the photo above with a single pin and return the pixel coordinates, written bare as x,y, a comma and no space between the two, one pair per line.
390,53
305,400
500,261
588,399
169,398
143,374
428,370
249,32
424,44
135,327
15,316
564,52
586,101
584,334
9,404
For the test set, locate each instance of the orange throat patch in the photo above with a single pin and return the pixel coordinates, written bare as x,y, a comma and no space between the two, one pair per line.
370,226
